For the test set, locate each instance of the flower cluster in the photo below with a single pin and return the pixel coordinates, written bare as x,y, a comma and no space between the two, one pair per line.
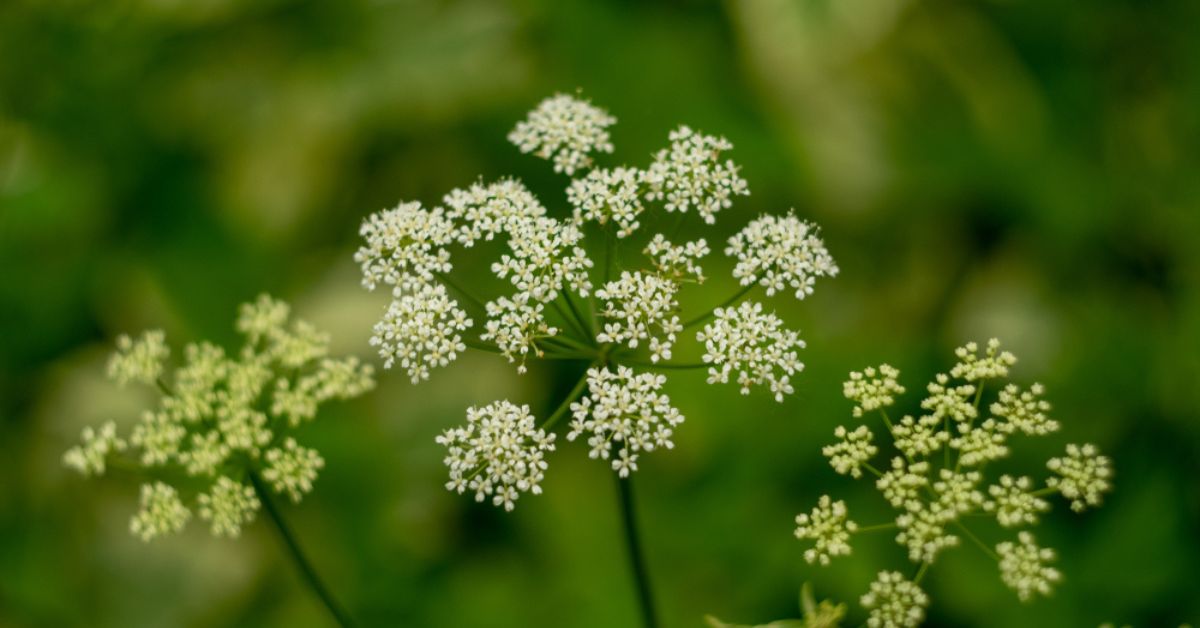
566,295
627,411
221,418
936,480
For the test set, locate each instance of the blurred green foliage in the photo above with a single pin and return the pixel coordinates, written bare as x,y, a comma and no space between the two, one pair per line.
1018,169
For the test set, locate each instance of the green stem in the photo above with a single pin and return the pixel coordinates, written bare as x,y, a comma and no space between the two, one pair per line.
570,343
726,303
302,564
566,403
983,546
459,289
875,528
666,365
569,320
920,573
637,562
584,324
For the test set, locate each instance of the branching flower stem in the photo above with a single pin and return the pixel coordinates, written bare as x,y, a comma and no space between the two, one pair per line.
726,303
637,562
299,559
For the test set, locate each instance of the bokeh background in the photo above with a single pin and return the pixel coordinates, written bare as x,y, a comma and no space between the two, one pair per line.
1018,169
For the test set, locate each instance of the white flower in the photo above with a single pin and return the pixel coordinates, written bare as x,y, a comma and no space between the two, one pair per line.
205,455
158,437
1083,476
1023,567
778,253
296,348
901,486
1013,502
543,257
1025,411
641,307
923,531
566,130
677,262
917,438
421,331
140,360
263,318
500,453
161,512
195,383
228,506
894,602
854,449
603,195
292,469
89,458
872,389
626,411
754,344
828,527
483,212
978,444
957,492
515,326
244,429
994,363
690,174
945,400
404,245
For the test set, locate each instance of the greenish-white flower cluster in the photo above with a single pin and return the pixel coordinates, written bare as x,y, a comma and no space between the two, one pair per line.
597,281
937,482
223,417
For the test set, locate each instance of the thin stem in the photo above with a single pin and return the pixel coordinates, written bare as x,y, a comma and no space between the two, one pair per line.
584,324
609,245
636,561
726,303
666,365
480,345
876,528
566,403
870,467
444,278
920,573
302,564
1044,491
573,321
570,343
983,546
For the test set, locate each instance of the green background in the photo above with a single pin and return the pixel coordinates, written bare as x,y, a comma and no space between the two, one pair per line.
1021,169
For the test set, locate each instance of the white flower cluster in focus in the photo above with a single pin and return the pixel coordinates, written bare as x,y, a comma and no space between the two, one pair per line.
605,195
565,130
499,454
640,308
680,262
420,331
626,411
691,174
828,528
781,253
753,343
223,416
936,480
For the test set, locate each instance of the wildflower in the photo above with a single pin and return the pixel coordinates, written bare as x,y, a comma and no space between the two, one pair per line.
746,340
872,389
690,174
979,443
483,212
158,437
405,246
1013,502
678,262
902,485
603,195
565,130
89,458
640,307
292,469
852,451
139,361
923,531
828,527
945,400
957,492
499,454
515,325
917,438
161,512
1083,476
778,253
1023,567
1024,411
206,454
543,258
894,602
262,319
994,363
228,506
421,331
627,411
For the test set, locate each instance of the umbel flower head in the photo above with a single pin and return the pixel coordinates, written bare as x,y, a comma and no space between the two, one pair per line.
597,282
223,417
936,478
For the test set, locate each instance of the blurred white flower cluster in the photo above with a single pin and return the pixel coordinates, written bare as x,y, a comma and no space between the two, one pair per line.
223,417
936,478
578,289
